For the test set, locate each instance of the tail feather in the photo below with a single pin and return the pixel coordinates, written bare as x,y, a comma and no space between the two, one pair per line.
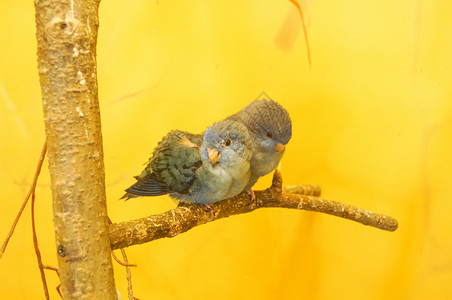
147,186
128,196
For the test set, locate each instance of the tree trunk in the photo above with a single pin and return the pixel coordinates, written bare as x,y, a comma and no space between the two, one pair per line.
67,36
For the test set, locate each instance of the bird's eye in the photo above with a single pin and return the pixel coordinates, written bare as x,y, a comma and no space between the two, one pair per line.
227,142
269,135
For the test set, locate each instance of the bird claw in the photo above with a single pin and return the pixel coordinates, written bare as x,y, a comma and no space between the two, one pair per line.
251,193
210,208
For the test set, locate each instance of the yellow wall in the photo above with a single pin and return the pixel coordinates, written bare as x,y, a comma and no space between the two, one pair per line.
372,124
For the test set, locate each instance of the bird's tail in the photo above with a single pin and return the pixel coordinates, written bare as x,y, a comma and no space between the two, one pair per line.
128,196
146,186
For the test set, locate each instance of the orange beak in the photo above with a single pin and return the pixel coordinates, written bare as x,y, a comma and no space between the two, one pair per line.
279,147
213,156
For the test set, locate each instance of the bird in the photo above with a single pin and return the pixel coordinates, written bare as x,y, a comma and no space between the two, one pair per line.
270,128
200,168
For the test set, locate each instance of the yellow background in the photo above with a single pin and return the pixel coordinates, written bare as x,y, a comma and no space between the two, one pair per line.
372,124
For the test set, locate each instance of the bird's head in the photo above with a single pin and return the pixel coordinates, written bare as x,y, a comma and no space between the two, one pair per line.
269,124
226,141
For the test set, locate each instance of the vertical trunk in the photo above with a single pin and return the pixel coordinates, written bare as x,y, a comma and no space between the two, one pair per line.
67,35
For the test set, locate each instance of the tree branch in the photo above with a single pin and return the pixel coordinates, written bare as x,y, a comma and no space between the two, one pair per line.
24,203
67,38
188,215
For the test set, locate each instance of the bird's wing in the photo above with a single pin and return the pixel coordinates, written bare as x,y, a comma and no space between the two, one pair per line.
172,166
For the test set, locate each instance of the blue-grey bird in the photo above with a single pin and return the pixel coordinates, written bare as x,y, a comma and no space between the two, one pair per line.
198,168
271,129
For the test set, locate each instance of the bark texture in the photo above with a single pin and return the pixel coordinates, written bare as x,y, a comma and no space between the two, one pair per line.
187,215
67,37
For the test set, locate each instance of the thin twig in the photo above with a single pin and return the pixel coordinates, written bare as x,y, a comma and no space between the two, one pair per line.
32,188
305,30
128,275
340,209
58,274
51,268
121,262
35,243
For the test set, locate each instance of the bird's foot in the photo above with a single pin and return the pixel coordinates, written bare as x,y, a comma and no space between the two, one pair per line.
251,193
210,208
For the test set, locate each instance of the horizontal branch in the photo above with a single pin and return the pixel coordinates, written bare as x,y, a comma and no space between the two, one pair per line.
189,215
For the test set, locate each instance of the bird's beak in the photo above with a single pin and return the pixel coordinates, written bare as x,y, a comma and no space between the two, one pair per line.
279,147
213,155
